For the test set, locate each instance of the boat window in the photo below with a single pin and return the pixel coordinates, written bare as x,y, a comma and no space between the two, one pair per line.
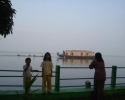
86,54
81,54
71,54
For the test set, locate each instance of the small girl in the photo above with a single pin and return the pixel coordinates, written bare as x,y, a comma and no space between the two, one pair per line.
47,66
27,68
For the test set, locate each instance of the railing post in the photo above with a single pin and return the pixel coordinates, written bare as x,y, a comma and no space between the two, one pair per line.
57,78
113,76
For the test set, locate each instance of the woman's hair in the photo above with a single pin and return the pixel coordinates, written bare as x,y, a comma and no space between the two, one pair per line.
98,57
47,53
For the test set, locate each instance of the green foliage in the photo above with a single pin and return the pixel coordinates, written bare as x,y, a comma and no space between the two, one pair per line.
28,95
6,17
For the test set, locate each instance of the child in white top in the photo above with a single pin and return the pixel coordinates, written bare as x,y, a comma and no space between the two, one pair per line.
27,71
47,66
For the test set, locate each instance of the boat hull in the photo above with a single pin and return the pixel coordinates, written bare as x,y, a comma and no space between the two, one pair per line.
76,57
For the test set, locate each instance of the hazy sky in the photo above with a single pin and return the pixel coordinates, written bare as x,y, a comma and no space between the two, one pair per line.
56,25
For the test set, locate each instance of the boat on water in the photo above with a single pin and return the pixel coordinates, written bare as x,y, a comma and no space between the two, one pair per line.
38,56
77,54
30,55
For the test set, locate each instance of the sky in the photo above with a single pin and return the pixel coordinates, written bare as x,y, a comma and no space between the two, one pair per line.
57,25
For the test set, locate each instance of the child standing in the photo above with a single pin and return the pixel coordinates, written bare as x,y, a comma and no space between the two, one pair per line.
27,71
47,66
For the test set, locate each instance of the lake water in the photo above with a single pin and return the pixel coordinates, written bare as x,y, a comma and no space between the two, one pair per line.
9,61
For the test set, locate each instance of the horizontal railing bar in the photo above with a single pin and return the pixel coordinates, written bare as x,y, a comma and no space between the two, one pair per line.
22,71
107,84
53,71
63,78
78,86
74,67
53,85
79,78
73,86
21,86
108,77
74,78
21,76
16,71
120,67
83,67
120,83
120,77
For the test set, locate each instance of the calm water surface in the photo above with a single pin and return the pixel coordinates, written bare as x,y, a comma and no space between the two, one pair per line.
9,61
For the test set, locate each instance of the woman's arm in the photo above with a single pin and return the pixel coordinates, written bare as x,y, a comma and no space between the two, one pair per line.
92,65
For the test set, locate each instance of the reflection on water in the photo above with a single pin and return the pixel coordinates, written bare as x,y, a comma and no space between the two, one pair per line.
74,61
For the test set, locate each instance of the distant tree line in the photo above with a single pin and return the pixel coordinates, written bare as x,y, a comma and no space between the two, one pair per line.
6,17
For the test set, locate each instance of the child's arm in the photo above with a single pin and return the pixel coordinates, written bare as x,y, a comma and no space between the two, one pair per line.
51,69
25,69
42,68
51,72
42,72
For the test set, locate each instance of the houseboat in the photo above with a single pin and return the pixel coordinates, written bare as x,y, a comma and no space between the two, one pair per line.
78,54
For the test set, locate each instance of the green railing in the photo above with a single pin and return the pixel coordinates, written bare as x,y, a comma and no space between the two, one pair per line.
7,76
57,77
113,77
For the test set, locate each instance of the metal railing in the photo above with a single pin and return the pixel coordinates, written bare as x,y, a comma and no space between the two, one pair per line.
7,76
57,77
112,84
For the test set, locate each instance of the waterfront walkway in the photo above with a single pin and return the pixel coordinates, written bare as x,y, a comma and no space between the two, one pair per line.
67,94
